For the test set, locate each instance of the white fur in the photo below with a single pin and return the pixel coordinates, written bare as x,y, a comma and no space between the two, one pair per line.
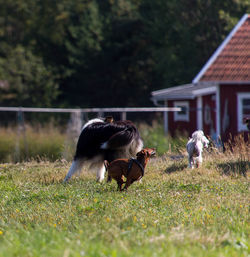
195,147
104,145
93,164
100,173
76,166
90,122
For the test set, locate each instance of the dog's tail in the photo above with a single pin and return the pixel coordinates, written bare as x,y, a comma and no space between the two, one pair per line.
106,165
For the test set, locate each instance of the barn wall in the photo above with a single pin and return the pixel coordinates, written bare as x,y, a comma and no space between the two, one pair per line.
183,126
228,106
209,114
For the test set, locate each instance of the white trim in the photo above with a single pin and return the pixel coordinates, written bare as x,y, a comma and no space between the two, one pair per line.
199,113
218,127
219,49
87,110
240,97
177,115
165,116
204,91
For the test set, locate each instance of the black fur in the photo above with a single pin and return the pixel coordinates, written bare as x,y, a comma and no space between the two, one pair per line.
121,139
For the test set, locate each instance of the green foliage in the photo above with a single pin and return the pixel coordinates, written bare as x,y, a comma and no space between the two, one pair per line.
154,136
30,83
106,53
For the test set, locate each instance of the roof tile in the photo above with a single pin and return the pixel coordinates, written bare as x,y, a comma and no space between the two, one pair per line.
233,62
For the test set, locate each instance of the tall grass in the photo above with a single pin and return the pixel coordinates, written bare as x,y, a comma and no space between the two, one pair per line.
234,160
51,143
33,143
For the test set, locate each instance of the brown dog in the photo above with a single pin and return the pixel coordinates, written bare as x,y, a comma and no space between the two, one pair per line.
132,169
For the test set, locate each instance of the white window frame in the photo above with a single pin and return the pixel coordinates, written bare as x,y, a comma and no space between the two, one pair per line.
240,97
177,115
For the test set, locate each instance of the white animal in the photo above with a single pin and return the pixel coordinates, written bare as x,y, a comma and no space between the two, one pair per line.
195,148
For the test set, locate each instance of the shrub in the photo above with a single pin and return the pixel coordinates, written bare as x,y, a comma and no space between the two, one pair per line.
154,136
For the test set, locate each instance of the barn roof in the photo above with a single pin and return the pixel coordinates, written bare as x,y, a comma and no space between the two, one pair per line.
231,61
188,91
229,64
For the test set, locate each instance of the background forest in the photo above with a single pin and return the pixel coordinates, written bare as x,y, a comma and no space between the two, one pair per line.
105,53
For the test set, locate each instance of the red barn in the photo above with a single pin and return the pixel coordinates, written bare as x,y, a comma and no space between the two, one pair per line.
218,99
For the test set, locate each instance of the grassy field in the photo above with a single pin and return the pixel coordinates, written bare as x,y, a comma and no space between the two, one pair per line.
174,211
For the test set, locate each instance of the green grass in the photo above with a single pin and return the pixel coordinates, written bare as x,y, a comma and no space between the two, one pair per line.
174,211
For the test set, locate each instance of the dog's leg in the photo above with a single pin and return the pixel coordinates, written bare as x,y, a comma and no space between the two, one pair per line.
190,161
109,178
120,182
75,166
199,161
119,185
100,173
128,183
193,161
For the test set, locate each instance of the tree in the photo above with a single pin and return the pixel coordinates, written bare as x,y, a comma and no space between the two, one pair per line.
30,82
108,53
185,34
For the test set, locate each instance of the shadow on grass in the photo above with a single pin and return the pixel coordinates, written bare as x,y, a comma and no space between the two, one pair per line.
175,167
240,167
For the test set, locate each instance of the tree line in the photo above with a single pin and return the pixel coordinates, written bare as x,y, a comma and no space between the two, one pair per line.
105,53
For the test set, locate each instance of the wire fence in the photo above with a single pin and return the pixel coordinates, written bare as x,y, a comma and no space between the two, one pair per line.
74,120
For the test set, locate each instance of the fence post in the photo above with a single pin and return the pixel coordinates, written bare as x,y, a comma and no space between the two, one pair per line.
20,130
74,128
123,116
100,114
165,119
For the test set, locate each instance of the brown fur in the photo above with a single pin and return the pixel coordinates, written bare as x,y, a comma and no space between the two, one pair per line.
118,169
109,119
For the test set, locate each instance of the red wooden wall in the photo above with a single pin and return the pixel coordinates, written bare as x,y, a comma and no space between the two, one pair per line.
183,126
229,93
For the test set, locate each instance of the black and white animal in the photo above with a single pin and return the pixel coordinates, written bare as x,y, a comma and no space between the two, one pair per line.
104,139
195,148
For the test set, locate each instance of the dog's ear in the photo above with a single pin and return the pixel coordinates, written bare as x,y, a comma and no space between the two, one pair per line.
139,153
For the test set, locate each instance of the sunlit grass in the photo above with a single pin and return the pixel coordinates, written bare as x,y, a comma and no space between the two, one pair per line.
174,211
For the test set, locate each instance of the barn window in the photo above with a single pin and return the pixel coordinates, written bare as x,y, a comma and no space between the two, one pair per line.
182,115
243,110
